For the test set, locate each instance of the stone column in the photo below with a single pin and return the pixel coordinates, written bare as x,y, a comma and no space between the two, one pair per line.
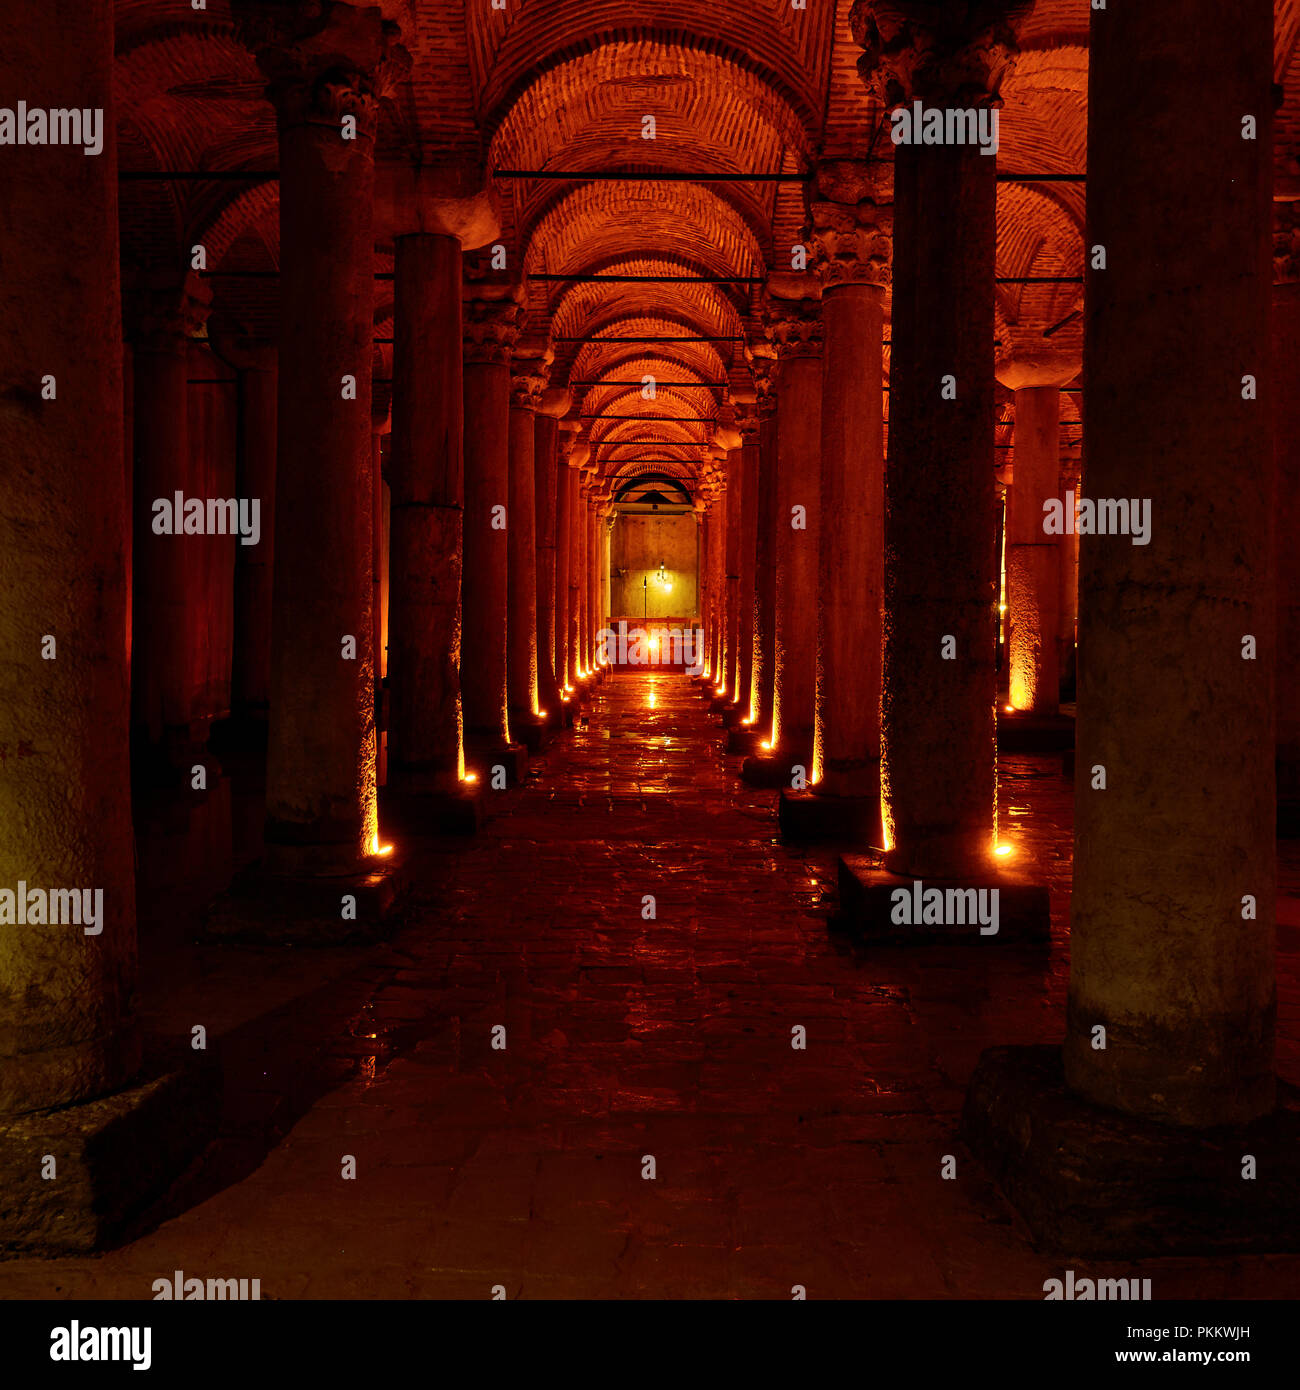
527,383
491,329
321,793
594,621
941,584
764,364
163,315
1286,384
731,645
706,586
746,594
67,1028
258,367
717,518
577,584
425,753
1067,553
850,239
545,447
795,330
1032,553
564,484
380,531
1175,703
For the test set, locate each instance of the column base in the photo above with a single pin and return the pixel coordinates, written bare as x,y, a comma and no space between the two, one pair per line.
743,740
867,907
775,768
114,1156
458,812
266,909
808,818
720,704
482,755
732,714
1023,731
531,730
1091,1181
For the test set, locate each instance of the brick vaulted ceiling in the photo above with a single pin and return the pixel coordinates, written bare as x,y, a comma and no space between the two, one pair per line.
735,86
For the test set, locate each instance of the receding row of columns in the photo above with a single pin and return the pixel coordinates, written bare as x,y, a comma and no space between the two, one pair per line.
1178,638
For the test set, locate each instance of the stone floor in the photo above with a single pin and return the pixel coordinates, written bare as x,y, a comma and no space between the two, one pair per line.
626,1037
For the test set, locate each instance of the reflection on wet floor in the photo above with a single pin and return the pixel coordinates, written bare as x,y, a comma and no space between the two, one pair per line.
619,1035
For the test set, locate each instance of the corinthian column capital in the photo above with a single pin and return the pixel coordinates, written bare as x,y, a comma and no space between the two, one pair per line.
950,54
850,226
323,59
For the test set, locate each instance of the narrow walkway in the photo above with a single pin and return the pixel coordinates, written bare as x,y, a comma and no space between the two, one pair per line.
627,1035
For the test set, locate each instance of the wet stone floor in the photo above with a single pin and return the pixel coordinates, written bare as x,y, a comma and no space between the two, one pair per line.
628,1038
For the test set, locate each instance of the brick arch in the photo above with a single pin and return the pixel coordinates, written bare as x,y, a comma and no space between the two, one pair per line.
746,68
701,220
581,306
700,398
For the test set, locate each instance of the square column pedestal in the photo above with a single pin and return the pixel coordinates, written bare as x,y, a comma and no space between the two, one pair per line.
742,741
483,756
114,1156
458,812
868,907
1092,1181
776,769
266,909
807,818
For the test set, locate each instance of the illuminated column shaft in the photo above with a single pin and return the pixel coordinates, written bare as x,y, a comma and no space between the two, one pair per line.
426,471
718,583
795,329
765,549
545,441
527,384
942,576
66,1027
1033,564
1165,953
850,236
490,331
745,593
578,582
565,482
706,585
735,505
593,584
320,784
